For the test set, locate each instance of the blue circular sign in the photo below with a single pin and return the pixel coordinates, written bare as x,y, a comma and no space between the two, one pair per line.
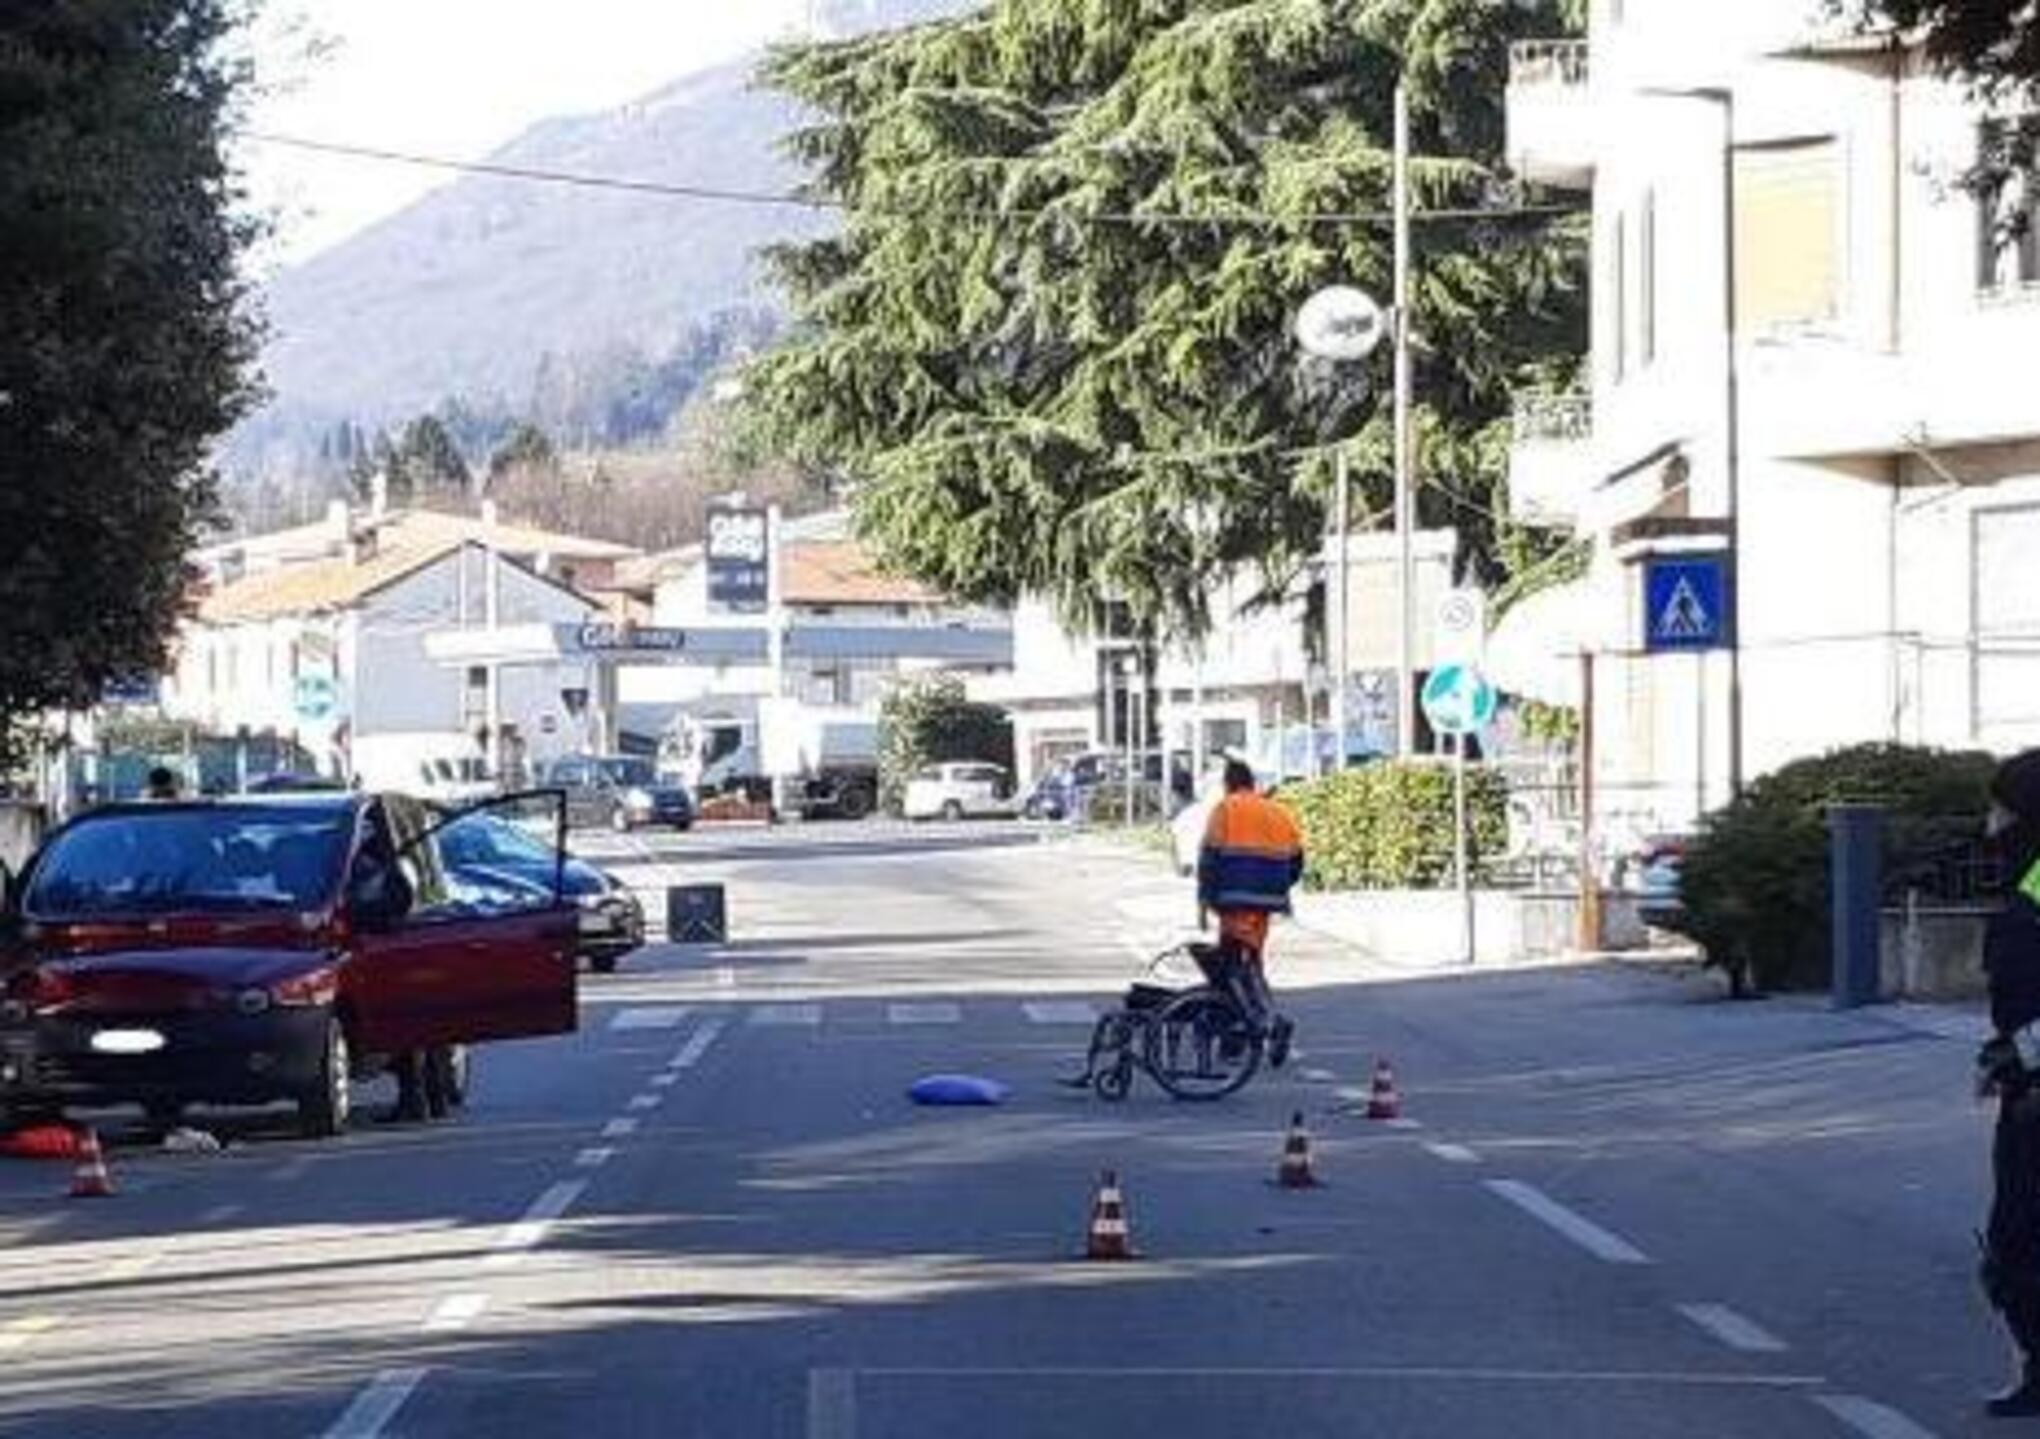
1458,700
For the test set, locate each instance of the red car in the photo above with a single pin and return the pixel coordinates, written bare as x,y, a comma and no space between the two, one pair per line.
276,948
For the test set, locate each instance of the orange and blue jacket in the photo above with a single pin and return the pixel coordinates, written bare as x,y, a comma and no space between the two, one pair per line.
1252,856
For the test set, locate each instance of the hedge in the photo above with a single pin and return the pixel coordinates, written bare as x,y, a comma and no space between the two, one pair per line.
1754,884
1389,826
934,722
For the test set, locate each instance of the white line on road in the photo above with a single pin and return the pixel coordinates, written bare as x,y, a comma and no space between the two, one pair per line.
801,1014
16,1333
659,1017
1870,1419
831,1404
726,977
697,1045
455,1312
1733,1329
1317,1076
530,1231
376,1405
1404,1122
938,1012
594,1158
1059,1011
666,1080
619,1129
291,1172
222,1213
1453,1153
1584,1232
133,1267
1669,1378
646,1101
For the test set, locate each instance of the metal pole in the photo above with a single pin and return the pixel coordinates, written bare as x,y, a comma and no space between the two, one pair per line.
1405,496
1590,882
1342,657
1729,269
1461,864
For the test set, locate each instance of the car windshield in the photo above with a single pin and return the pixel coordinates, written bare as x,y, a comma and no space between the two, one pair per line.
626,771
191,860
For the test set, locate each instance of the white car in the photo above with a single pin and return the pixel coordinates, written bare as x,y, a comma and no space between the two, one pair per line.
963,790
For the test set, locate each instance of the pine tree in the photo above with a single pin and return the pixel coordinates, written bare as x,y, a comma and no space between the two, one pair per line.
1052,340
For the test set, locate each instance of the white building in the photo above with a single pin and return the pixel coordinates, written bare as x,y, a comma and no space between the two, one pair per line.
1889,479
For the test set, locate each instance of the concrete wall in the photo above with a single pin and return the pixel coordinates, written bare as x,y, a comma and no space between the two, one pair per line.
1423,929
1932,953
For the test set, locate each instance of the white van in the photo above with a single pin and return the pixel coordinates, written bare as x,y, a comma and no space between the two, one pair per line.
443,767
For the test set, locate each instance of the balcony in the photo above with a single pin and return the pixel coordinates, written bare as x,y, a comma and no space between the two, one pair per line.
1551,125
1550,460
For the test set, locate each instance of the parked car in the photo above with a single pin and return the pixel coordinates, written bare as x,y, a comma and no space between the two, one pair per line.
1652,874
960,790
623,792
260,950
499,859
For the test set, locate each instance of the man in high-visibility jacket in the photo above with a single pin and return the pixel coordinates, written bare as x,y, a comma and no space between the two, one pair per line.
1251,858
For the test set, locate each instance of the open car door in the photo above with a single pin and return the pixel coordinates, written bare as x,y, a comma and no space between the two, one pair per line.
476,951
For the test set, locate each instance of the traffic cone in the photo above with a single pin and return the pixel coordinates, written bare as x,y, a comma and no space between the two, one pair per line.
89,1180
1110,1237
1295,1171
1383,1102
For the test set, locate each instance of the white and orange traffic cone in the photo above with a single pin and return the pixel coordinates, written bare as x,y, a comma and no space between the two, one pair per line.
1383,1099
1110,1236
1296,1171
89,1180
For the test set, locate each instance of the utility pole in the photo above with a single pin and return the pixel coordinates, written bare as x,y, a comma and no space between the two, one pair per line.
1342,655
1405,491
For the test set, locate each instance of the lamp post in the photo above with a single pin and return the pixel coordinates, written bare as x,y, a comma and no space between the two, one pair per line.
1723,98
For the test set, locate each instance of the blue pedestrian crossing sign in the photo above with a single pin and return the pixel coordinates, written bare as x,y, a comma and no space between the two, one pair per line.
1687,603
1457,700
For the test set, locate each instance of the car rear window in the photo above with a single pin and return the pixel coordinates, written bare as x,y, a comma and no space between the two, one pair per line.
191,861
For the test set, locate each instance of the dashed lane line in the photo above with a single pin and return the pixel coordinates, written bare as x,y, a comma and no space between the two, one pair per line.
807,1015
935,1012
666,1080
619,1129
1059,1011
1603,1245
376,1404
530,1230
291,1171
594,1157
1869,1418
1733,1329
697,1045
649,1017
1453,1153
643,1102
18,1333
454,1313
222,1214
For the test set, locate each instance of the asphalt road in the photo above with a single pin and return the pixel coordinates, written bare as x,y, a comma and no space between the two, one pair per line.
1617,1207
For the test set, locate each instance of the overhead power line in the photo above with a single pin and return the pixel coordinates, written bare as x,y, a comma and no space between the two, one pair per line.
791,200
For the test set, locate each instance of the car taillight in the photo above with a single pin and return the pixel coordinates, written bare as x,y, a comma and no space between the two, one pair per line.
315,988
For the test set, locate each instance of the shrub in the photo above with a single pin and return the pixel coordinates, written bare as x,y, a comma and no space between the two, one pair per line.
934,722
1389,826
1754,884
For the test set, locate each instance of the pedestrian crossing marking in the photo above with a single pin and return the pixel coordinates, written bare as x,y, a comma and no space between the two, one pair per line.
932,1013
1684,616
1060,1011
656,1017
785,1014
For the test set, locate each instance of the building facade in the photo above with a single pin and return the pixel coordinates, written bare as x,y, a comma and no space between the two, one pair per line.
1863,438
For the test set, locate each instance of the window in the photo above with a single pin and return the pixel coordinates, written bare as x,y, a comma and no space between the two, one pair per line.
1788,234
1620,289
1646,279
2007,211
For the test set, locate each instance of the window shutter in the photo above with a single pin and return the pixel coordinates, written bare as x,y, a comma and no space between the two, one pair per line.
1788,234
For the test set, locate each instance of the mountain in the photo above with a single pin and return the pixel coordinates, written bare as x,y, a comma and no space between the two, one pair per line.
507,296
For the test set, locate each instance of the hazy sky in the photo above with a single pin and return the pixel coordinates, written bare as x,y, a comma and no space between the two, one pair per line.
456,78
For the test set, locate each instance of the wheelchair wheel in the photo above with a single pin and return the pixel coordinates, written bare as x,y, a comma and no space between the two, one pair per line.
1115,1080
1201,1046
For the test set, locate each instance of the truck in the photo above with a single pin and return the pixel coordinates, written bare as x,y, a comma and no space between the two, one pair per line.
805,760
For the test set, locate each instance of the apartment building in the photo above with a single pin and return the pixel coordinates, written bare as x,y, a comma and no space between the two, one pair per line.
1863,442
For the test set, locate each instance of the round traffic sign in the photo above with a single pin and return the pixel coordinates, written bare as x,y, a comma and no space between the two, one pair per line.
1341,324
1457,700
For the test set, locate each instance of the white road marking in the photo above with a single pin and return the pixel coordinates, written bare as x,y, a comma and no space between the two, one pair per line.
291,1172
1059,1011
1664,1378
939,1012
1404,1123
646,1101
831,1404
619,1129
1453,1153
455,1312
1870,1419
133,1267
666,1080
376,1405
697,1045
222,1213
651,1017
1733,1329
530,1231
1317,1076
1610,1248
594,1158
726,977
16,1333
780,1014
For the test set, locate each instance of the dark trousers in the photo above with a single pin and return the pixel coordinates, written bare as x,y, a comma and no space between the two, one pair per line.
2011,1264
1236,970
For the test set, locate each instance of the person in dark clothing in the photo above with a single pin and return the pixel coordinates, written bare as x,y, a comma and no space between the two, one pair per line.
2011,961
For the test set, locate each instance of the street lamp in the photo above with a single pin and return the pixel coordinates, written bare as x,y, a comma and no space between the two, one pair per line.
1723,98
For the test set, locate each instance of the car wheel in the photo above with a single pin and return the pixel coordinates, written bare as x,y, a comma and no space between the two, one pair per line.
323,1111
857,802
952,811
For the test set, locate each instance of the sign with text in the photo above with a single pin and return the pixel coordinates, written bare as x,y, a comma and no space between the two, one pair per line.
598,638
739,560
